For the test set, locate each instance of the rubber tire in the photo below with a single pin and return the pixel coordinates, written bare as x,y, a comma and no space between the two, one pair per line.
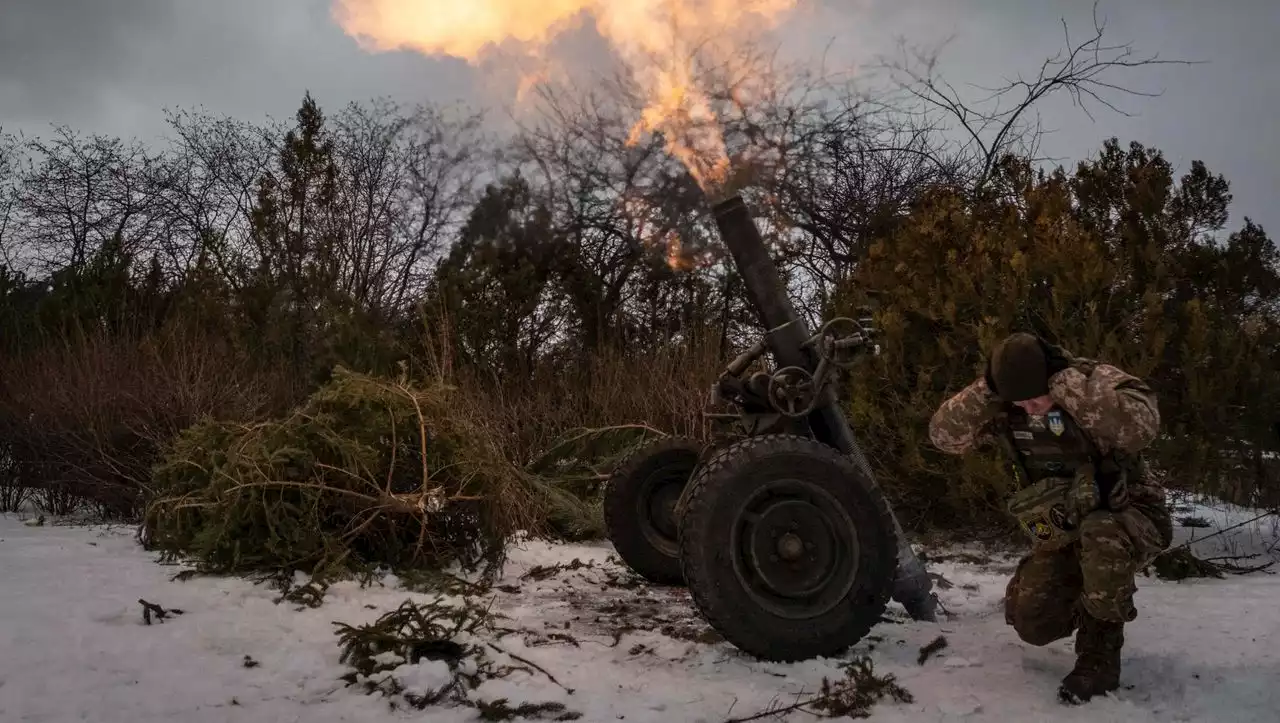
622,519
730,477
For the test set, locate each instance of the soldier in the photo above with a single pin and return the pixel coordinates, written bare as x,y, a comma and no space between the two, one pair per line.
1074,430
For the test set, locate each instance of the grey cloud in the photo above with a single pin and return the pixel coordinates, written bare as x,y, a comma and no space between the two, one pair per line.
56,54
112,66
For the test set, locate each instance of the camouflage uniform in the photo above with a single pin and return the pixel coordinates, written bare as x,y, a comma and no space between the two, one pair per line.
1102,419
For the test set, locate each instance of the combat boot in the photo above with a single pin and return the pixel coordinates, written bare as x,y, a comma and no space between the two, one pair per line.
1097,670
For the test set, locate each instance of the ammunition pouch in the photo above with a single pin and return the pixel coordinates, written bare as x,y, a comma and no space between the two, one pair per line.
1050,510
1043,510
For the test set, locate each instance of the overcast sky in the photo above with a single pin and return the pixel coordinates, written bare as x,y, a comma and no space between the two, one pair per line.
112,66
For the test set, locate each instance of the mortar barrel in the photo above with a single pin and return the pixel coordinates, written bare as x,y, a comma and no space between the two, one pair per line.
768,296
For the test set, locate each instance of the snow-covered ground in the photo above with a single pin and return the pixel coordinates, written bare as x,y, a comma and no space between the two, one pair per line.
75,647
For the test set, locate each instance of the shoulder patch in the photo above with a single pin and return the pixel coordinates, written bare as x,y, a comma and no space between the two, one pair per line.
1056,424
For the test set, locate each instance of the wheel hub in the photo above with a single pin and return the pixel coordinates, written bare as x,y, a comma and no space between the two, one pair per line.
662,508
798,554
656,507
792,549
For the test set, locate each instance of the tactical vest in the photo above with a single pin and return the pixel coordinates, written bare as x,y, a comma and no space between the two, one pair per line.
1052,445
1056,465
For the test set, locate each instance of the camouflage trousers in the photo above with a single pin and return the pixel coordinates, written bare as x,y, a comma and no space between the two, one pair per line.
1095,574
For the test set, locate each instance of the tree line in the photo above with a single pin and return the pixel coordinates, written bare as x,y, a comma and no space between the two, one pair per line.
567,276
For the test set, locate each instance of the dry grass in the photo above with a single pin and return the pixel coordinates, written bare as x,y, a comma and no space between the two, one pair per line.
664,389
84,417
89,417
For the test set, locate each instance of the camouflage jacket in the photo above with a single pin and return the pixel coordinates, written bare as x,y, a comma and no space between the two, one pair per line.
1117,410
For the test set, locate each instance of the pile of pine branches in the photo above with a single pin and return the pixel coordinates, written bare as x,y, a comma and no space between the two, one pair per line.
366,472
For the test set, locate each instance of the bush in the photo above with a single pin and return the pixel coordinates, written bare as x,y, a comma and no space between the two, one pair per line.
664,388
84,416
1112,262
367,471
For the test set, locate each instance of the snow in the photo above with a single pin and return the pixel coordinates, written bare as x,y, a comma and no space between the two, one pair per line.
76,648
1231,531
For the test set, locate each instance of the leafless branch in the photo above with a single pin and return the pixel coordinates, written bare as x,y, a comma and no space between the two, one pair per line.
998,123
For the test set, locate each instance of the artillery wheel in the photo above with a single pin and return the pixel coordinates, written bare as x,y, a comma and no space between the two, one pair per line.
640,506
788,550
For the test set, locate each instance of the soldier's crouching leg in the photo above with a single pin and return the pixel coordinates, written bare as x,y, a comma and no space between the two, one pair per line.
1113,547
1041,598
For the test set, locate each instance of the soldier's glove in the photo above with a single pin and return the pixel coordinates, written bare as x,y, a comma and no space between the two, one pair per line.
993,407
990,380
1113,485
1055,357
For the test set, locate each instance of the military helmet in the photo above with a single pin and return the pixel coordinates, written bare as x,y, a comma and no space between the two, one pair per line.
1020,368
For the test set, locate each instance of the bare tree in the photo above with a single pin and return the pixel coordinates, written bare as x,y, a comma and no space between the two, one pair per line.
834,165
403,178
204,190
825,167
77,194
406,179
8,196
1005,120
620,205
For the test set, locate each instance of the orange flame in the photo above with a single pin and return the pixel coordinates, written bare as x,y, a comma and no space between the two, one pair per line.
681,259
659,40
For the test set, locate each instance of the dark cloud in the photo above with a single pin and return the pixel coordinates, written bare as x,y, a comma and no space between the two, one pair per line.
113,65
55,55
